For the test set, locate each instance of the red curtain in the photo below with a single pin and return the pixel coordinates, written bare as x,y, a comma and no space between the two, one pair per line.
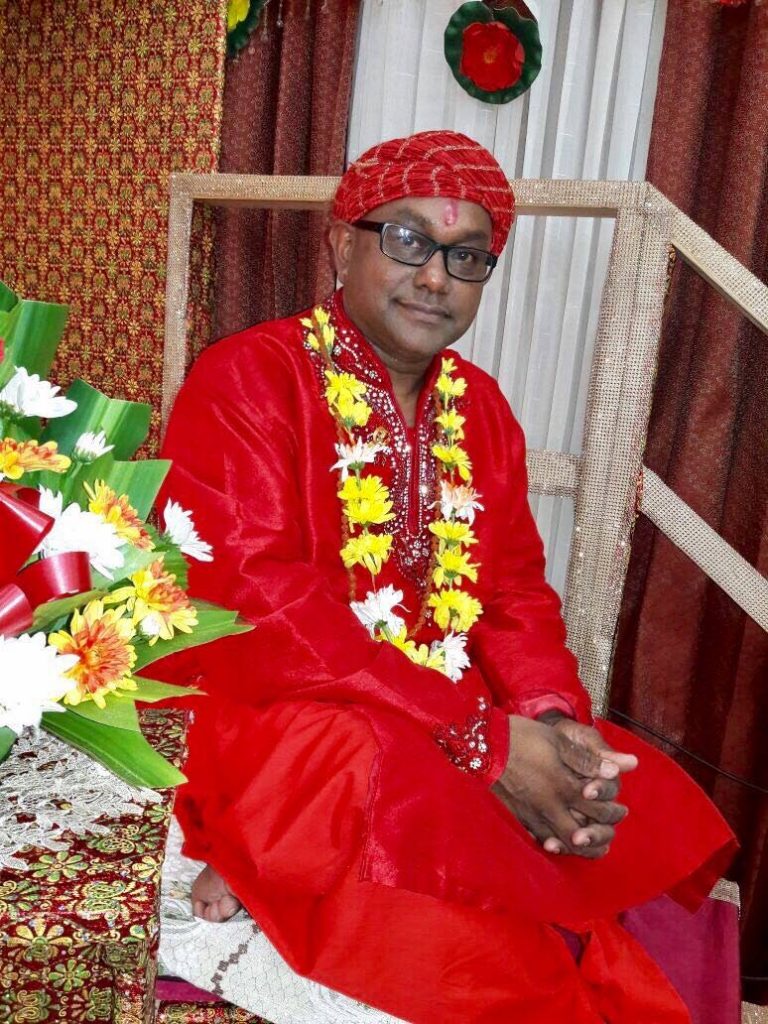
286,105
690,665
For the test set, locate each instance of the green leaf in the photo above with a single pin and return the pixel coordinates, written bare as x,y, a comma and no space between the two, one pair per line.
119,713
7,738
135,559
8,299
126,424
48,613
212,624
151,690
127,754
140,481
32,331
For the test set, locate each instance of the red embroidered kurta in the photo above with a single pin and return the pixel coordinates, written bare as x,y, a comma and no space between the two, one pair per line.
317,783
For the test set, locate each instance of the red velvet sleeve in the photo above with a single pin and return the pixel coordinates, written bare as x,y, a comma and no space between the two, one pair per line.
233,442
519,643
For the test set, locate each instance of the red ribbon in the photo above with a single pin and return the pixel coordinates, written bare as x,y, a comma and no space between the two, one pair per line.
22,527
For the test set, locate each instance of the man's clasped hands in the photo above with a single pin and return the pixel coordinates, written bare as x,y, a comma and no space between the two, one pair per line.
561,782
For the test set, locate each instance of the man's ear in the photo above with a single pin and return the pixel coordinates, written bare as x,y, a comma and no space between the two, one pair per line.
341,240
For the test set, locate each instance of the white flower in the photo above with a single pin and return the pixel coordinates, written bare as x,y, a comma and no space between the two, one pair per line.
76,530
180,529
26,395
151,625
458,500
32,678
356,455
377,610
91,446
456,659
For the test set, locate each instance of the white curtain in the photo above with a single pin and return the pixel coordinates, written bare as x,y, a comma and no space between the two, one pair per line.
587,115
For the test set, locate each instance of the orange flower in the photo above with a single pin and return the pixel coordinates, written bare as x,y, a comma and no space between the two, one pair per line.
118,511
158,605
102,641
19,457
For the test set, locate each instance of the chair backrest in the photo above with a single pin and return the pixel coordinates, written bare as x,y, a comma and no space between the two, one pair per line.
607,481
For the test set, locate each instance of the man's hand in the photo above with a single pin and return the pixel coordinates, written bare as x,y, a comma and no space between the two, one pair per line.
549,796
585,752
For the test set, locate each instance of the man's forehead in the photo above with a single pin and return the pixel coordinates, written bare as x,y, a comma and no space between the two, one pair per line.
431,213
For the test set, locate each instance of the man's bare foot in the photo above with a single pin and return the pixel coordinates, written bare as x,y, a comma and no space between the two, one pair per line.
211,897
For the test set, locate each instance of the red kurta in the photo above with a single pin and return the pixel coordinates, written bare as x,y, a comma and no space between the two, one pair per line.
317,787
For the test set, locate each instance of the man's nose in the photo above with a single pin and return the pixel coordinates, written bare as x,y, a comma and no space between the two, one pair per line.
433,274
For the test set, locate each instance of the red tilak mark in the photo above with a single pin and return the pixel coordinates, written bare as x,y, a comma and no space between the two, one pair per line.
451,212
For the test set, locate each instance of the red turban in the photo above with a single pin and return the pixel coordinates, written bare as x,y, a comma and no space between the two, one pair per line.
438,163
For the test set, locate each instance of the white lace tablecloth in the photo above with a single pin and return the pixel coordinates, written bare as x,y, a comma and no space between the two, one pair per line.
48,788
235,961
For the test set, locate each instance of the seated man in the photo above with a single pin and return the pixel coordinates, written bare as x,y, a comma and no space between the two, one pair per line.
396,771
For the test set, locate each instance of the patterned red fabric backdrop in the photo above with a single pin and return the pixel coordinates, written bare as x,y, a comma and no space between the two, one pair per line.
99,102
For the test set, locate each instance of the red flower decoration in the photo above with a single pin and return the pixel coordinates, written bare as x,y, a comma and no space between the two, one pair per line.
492,56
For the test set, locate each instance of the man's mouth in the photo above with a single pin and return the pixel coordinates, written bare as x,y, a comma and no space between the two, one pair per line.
423,311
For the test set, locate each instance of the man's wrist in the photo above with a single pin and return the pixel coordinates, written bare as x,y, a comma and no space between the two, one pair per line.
551,717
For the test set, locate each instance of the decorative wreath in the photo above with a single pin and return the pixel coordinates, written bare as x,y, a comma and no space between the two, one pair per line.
242,18
495,55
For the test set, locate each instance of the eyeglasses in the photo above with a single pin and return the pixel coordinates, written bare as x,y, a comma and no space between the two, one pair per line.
404,245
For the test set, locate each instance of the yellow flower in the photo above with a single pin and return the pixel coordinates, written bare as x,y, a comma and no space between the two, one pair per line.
102,641
366,500
454,457
345,394
353,413
452,423
343,384
450,388
451,564
420,654
370,550
19,457
312,341
455,609
237,11
118,511
452,533
448,365
157,605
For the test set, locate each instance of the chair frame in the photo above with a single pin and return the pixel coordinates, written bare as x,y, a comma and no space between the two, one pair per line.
607,481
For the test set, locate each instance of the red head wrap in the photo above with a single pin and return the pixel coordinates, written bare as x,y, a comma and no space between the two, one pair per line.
438,163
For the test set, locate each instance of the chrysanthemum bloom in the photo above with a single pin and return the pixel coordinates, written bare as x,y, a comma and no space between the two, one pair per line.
26,395
102,641
117,510
453,457
180,529
158,606
370,550
455,609
19,457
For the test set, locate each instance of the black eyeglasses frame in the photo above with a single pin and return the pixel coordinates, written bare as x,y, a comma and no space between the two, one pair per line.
380,227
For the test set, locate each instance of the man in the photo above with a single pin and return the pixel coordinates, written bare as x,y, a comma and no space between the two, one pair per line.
396,771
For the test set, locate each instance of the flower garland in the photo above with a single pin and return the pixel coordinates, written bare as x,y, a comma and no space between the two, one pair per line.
366,503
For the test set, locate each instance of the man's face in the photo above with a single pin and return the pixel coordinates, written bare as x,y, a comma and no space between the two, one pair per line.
410,313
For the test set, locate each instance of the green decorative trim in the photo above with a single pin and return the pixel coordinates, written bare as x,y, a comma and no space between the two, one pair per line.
238,37
526,30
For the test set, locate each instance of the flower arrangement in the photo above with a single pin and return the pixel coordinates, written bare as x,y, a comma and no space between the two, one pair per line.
494,54
367,506
91,593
